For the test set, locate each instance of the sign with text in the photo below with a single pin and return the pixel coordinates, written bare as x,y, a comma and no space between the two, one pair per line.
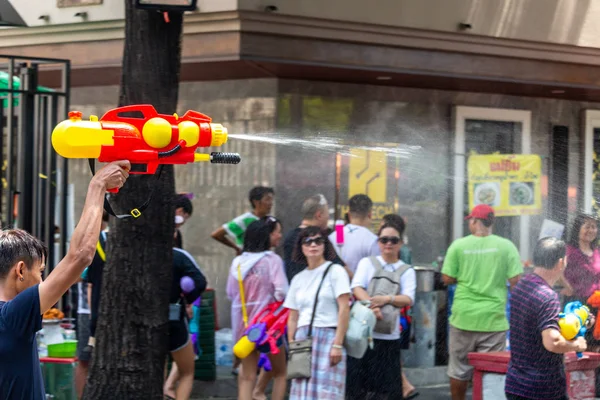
510,183
373,173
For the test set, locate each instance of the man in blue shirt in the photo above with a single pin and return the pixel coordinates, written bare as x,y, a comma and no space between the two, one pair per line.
24,297
536,370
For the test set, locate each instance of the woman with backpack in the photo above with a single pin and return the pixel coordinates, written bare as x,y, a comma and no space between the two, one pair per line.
405,254
389,284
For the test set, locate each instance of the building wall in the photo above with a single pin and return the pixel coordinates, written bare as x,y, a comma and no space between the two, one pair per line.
556,21
97,10
323,118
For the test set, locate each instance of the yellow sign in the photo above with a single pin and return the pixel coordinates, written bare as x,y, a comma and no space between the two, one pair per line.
368,174
510,183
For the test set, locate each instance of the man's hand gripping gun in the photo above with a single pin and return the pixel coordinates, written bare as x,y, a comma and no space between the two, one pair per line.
574,321
147,141
266,328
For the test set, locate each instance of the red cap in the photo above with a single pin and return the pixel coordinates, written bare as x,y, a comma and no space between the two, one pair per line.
481,211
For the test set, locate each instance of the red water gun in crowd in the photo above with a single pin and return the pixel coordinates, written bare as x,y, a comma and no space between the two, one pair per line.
142,136
264,329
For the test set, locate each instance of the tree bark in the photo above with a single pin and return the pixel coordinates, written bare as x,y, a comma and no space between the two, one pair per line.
132,331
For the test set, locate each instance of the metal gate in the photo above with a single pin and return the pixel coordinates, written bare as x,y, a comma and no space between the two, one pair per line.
33,193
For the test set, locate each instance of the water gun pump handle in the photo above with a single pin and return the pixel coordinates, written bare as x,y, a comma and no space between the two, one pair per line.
225,158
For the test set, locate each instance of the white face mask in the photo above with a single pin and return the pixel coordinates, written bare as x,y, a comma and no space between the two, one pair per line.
179,219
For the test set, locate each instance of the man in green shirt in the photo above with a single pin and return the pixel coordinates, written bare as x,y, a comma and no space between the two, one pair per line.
480,265
231,234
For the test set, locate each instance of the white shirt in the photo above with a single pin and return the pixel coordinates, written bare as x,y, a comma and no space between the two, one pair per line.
82,304
303,290
359,242
408,285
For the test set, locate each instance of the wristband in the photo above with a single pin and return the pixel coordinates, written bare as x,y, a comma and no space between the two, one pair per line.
391,299
337,346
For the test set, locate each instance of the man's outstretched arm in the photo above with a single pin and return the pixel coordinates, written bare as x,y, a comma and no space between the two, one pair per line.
220,235
83,242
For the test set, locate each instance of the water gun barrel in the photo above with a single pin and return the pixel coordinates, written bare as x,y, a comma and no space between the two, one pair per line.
74,138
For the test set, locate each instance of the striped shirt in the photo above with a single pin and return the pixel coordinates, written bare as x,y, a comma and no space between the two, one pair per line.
237,227
533,371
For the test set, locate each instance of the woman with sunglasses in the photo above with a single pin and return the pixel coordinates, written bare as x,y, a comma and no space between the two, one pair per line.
328,375
410,392
376,374
264,281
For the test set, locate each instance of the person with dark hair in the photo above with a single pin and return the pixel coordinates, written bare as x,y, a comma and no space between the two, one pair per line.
399,223
536,370
480,265
183,211
260,273
24,298
359,241
329,320
582,274
181,379
231,234
377,372
583,271
315,212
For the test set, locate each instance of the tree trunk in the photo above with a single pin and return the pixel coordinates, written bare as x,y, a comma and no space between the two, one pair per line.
132,333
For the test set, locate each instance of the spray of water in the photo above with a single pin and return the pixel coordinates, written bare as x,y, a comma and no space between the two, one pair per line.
329,144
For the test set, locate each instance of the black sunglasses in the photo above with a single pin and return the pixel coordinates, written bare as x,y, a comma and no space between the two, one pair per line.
318,241
388,239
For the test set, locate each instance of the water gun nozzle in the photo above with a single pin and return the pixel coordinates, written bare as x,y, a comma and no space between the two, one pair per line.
219,135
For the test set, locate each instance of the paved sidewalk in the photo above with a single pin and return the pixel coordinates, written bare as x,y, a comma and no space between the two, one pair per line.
438,392
225,387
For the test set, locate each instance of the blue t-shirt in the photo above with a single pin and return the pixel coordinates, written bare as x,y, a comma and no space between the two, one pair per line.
533,371
20,371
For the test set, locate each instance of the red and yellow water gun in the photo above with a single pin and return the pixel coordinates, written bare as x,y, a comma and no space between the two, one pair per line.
142,136
265,329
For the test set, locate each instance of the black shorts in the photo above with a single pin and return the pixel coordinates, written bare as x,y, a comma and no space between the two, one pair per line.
178,335
266,348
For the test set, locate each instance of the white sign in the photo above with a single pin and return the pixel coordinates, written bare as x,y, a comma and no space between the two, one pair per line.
552,229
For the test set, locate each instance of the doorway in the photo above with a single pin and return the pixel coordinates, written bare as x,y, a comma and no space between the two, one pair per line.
487,131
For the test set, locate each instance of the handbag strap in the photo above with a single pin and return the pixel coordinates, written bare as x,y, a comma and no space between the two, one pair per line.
312,318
